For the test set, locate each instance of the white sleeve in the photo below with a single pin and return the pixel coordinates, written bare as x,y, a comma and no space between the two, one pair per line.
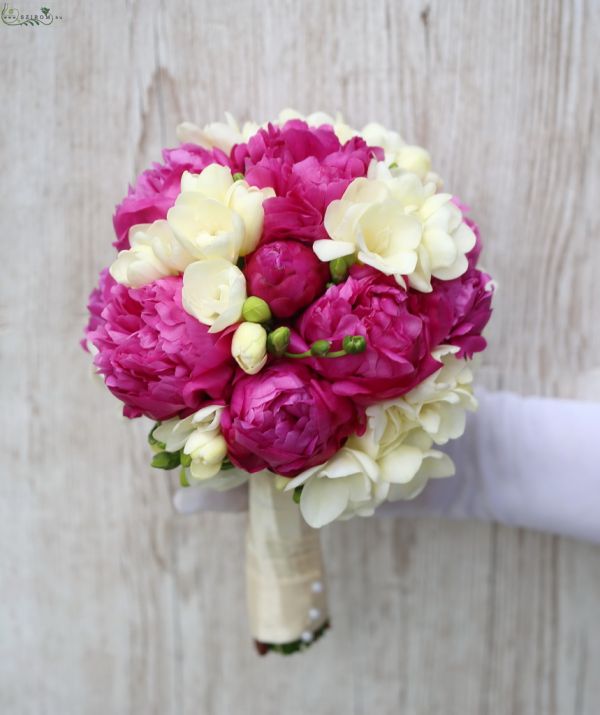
523,461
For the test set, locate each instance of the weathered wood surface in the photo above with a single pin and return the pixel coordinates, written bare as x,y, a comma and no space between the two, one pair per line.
112,604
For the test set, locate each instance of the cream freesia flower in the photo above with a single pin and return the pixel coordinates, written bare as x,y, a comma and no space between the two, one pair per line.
214,291
346,485
400,226
406,157
216,183
343,131
154,253
249,347
199,435
219,135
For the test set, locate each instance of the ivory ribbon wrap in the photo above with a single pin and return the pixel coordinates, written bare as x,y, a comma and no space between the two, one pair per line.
284,567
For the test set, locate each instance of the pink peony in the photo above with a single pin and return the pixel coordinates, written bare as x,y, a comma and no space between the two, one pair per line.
286,419
96,303
286,274
399,339
155,357
307,167
157,188
470,300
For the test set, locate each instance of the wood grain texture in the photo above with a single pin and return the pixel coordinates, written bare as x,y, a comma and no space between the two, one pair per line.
112,604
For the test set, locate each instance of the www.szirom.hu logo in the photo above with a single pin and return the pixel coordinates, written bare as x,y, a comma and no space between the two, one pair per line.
13,17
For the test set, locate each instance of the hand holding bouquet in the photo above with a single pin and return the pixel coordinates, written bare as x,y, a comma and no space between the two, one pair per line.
294,305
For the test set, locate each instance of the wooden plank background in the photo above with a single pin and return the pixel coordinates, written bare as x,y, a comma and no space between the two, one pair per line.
112,604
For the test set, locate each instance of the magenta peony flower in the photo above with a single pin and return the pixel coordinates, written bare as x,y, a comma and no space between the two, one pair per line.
157,188
470,299
286,274
307,167
287,419
96,302
399,340
155,357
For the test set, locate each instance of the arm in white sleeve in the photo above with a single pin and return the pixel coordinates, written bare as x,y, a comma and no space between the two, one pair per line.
523,461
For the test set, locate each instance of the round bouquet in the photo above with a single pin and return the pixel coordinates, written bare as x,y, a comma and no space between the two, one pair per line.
294,305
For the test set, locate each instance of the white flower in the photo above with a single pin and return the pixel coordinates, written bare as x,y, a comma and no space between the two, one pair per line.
216,184
219,135
440,402
206,228
406,157
199,435
347,484
154,253
249,347
316,119
214,292
398,225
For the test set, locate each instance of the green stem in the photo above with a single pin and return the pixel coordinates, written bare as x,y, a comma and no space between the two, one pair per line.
299,355
337,353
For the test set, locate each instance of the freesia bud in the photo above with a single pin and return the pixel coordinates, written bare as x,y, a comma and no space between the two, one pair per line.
278,341
256,310
354,344
338,268
249,347
165,460
320,348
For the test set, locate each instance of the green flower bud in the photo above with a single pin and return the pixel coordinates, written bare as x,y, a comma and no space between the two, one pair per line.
238,176
165,460
256,310
320,348
278,341
354,344
350,260
338,268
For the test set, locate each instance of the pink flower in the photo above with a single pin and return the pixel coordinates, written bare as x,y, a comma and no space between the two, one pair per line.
96,303
160,361
157,188
307,167
399,340
286,419
286,274
470,299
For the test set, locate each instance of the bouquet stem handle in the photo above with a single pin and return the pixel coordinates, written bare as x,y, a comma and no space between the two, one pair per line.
284,571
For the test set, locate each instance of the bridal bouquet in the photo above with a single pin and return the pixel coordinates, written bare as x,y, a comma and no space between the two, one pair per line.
295,306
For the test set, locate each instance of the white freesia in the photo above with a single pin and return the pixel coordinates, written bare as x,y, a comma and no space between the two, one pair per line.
219,135
439,404
400,226
249,347
343,131
216,183
199,435
154,253
214,292
346,485
406,157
